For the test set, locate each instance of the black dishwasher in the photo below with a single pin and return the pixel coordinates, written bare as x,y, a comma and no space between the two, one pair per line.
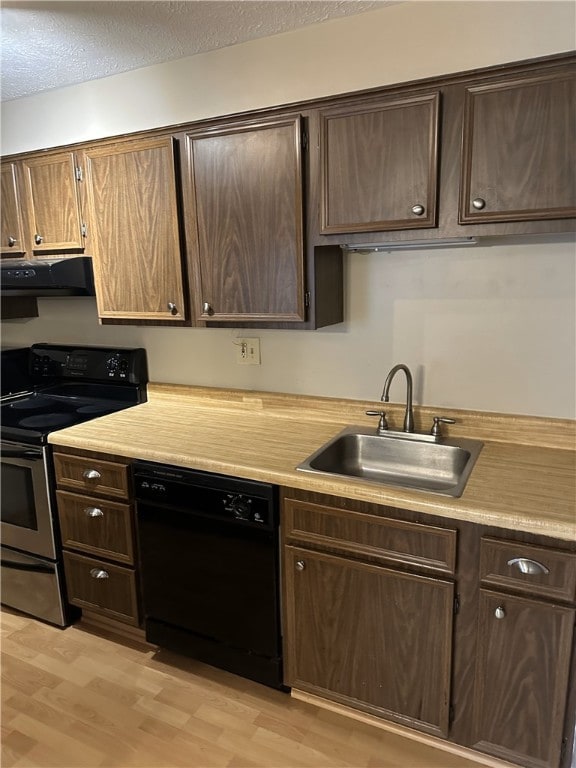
209,565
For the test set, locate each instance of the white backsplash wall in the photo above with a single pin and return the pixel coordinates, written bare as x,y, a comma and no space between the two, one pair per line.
490,328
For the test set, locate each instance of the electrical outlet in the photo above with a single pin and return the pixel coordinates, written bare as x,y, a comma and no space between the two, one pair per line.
247,351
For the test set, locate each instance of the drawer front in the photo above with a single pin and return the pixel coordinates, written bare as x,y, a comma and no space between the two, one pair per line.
102,587
529,569
380,539
92,476
102,528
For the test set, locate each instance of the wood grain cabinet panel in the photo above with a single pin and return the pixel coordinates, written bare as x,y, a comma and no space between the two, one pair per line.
244,221
11,232
379,165
99,527
520,567
519,150
132,212
426,547
91,476
376,639
522,668
51,201
102,587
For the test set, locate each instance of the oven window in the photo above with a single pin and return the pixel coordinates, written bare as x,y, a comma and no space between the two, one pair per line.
17,497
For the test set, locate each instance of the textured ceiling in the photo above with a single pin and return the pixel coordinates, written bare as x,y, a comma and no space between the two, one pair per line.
53,44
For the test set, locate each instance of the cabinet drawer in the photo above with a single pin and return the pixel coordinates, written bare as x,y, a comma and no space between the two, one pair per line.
99,527
105,588
527,568
84,475
380,539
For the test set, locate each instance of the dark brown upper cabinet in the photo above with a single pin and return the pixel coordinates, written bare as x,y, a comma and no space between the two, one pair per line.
379,165
519,150
243,199
51,203
12,232
132,213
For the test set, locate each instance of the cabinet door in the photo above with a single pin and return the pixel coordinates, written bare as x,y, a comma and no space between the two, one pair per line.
370,637
522,671
379,166
52,204
519,150
12,234
245,223
133,229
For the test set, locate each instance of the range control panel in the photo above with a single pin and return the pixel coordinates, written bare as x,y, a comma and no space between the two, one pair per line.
93,363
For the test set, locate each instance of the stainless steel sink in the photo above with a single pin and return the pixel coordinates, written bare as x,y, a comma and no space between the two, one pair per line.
420,464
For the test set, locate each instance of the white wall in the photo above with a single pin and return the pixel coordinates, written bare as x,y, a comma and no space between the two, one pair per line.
488,328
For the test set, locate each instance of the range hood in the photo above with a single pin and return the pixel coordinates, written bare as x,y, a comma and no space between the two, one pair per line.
68,276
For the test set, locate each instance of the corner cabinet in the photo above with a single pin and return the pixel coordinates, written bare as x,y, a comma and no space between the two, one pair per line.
132,213
243,199
41,205
519,149
379,165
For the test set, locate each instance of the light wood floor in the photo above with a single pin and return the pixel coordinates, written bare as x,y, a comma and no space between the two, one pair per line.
72,698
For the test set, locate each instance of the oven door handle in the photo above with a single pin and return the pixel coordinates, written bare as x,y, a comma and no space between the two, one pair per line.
30,454
36,567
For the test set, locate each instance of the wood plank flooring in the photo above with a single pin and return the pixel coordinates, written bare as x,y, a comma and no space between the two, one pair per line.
73,698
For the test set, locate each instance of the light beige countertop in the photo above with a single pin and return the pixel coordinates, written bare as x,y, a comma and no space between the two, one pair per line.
524,478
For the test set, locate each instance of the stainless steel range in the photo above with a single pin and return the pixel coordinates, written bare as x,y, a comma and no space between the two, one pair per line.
69,385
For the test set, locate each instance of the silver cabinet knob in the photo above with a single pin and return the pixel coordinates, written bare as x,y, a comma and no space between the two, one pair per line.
527,566
11,242
93,512
99,573
38,239
172,308
91,474
418,210
300,565
207,309
500,613
478,203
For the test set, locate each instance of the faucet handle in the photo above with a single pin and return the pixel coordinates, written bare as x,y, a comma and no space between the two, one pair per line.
435,431
382,424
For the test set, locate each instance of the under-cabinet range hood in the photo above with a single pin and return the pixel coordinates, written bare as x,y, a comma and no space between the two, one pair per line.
68,276
410,245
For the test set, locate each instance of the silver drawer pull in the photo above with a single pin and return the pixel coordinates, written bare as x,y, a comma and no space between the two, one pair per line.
93,512
530,567
500,613
300,565
99,573
91,474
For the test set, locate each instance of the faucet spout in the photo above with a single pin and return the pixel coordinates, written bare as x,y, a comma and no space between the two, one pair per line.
409,415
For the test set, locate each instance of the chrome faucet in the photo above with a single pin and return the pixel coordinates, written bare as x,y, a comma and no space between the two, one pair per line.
409,415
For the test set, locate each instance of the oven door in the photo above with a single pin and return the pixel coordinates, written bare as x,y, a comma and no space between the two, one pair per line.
25,514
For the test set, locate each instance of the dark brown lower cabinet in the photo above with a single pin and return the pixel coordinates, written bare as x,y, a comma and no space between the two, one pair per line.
374,638
522,670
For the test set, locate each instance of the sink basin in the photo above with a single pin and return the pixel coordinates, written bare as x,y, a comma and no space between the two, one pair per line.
360,454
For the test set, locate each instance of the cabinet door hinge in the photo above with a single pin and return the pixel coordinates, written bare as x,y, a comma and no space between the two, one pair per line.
83,230
456,604
304,140
450,715
79,174
307,299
